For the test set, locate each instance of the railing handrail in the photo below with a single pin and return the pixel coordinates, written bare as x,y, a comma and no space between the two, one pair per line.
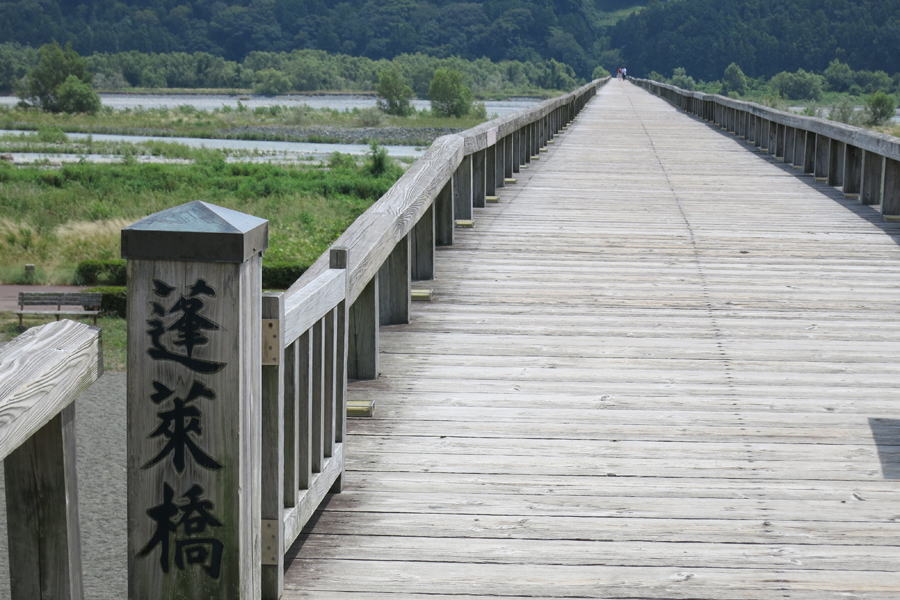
373,235
42,371
872,141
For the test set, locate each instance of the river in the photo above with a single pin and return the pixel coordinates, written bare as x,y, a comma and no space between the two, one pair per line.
340,102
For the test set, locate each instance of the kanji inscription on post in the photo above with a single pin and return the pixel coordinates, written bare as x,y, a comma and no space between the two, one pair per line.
180,427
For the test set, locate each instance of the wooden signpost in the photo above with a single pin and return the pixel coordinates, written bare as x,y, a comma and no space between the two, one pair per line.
194,403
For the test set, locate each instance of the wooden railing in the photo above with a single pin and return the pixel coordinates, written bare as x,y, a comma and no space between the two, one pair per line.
392,244
286,449
863,163
42,371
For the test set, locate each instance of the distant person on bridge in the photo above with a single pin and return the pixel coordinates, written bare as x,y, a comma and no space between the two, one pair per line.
624,73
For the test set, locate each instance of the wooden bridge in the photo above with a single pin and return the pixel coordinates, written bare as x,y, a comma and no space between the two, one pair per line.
659,366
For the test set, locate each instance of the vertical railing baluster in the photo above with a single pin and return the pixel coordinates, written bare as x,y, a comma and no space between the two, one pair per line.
292,402
318,395
328,365
305,395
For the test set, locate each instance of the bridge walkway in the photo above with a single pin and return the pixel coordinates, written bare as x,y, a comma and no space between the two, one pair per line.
663,366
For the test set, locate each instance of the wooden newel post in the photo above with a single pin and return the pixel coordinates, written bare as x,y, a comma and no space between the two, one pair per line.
194,403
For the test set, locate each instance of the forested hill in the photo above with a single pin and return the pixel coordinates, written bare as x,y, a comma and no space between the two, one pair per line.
762,36
567,30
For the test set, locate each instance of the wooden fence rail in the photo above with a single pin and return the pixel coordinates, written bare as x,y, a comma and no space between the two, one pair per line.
42,371
237,399
863,163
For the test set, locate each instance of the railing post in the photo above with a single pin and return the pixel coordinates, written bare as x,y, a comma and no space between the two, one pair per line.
273,448
362,343
890,200
509,157
490,171
809,154
422,246
789,140
478,178
852,169
872,178
823,160
394,284
462,190
194,403
42,514
444,215
836,164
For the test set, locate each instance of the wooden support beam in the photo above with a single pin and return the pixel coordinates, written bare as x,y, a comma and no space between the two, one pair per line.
823,156
462,189
421,241
444,216
872,179
479,174
42,513
853,158
362,342
836,163
394,284
273,452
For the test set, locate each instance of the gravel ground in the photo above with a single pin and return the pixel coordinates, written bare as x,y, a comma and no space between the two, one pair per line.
100,456
413,136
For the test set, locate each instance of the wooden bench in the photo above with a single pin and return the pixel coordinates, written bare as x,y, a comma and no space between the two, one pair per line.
89,301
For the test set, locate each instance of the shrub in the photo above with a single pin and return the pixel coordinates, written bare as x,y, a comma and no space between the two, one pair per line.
76,96
843,111
799,85
394,94
280,276
681,79
880,108
51,135
734,80
599,72
449,96
271,82
379,161
60,82
100,272
839,76
114,300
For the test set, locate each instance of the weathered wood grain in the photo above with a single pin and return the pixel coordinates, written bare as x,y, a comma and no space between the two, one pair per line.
660,368
41,372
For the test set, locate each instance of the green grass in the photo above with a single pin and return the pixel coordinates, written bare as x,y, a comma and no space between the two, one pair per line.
27,142
273,123
112,335
54,218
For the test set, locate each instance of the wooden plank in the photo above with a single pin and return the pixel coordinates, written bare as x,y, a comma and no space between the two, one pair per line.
708,413
306,305
41,372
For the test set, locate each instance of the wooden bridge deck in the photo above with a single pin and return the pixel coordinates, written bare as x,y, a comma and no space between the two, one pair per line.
662,367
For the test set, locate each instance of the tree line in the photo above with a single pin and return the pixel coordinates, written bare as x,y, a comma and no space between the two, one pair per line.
299,70
765,37
570,31
839,82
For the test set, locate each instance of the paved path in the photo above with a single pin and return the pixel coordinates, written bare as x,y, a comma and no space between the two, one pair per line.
663,367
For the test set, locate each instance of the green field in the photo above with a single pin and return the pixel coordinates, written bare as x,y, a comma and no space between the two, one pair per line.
281,123
54,218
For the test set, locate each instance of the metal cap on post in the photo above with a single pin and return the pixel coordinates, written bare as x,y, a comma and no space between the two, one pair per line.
194,403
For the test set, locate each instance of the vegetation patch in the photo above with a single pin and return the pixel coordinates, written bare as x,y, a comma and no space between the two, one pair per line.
57,218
